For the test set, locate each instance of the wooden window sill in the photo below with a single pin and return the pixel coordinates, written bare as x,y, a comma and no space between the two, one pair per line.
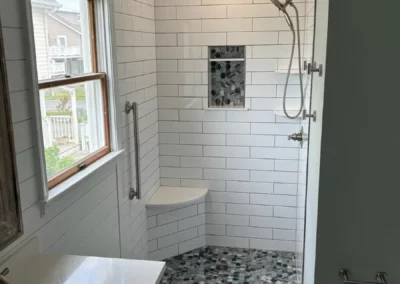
70,183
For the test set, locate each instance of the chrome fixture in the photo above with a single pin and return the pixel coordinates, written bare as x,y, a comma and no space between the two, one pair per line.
305,65
296,137
282,7
344,274
312,115
311,68
300,137
132,193
128,108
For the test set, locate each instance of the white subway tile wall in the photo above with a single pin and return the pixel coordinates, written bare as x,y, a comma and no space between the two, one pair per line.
243,157
175,230
137,65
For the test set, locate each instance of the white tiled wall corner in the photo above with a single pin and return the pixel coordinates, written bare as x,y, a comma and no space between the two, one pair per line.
176,230
137,73
192,244
226,241
249,232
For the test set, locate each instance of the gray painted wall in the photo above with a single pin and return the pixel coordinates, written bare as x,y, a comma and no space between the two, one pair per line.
359,184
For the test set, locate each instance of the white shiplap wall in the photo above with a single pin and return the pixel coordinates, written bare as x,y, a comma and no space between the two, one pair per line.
86,219
243,157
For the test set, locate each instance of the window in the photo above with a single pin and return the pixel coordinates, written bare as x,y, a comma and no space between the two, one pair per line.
62,41
73,93
227,77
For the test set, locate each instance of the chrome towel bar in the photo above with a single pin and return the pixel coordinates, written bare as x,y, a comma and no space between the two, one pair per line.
128,108
344,274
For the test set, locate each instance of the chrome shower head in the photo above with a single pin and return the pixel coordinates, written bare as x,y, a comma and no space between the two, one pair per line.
281,6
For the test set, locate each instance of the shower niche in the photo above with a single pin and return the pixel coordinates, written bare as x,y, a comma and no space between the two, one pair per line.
227,76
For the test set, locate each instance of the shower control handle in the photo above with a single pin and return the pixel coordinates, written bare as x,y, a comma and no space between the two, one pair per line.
296,137
300,137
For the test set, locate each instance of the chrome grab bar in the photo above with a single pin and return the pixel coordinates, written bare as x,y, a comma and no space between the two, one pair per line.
128,108
344,274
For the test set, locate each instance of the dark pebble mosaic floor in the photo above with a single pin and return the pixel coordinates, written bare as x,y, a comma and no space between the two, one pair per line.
209,265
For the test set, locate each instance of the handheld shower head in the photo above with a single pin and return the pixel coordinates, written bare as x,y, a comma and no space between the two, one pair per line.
281,6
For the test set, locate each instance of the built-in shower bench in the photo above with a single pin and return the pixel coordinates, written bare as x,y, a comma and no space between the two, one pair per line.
176,218
176,196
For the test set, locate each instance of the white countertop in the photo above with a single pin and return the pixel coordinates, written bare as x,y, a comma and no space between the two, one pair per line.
56,269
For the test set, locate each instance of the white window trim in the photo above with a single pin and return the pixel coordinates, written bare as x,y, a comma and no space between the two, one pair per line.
62,37
106,37
61,189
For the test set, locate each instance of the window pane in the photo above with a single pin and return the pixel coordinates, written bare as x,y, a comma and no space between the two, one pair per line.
73,124
62,37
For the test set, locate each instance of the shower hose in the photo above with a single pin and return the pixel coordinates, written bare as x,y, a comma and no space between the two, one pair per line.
292,28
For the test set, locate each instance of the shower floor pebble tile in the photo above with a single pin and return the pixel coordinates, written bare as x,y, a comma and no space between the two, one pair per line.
209,265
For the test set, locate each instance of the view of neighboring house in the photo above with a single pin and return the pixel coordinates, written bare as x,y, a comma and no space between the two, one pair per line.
58,40
58,37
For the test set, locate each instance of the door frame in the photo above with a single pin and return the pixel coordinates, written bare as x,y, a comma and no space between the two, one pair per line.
315,138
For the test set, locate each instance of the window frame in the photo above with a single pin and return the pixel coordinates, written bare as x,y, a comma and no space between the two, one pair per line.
65,40
81,78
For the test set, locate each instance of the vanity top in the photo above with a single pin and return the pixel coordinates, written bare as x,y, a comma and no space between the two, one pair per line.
57,269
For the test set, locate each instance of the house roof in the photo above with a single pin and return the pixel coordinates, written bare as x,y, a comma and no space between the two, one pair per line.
75,26
69,6
46,4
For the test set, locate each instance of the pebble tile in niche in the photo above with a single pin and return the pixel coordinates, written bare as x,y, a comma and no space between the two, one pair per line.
209,265
227,76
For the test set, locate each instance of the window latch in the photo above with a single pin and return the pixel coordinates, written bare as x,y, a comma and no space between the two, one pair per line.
83,166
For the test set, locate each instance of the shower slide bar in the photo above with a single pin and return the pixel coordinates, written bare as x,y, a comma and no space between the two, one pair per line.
344,274
132,107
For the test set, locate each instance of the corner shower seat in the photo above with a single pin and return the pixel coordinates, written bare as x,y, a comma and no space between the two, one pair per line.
176,196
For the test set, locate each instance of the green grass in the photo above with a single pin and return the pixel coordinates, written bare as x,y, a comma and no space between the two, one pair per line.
80,95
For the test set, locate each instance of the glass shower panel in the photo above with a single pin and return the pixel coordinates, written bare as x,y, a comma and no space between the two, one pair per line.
308,40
